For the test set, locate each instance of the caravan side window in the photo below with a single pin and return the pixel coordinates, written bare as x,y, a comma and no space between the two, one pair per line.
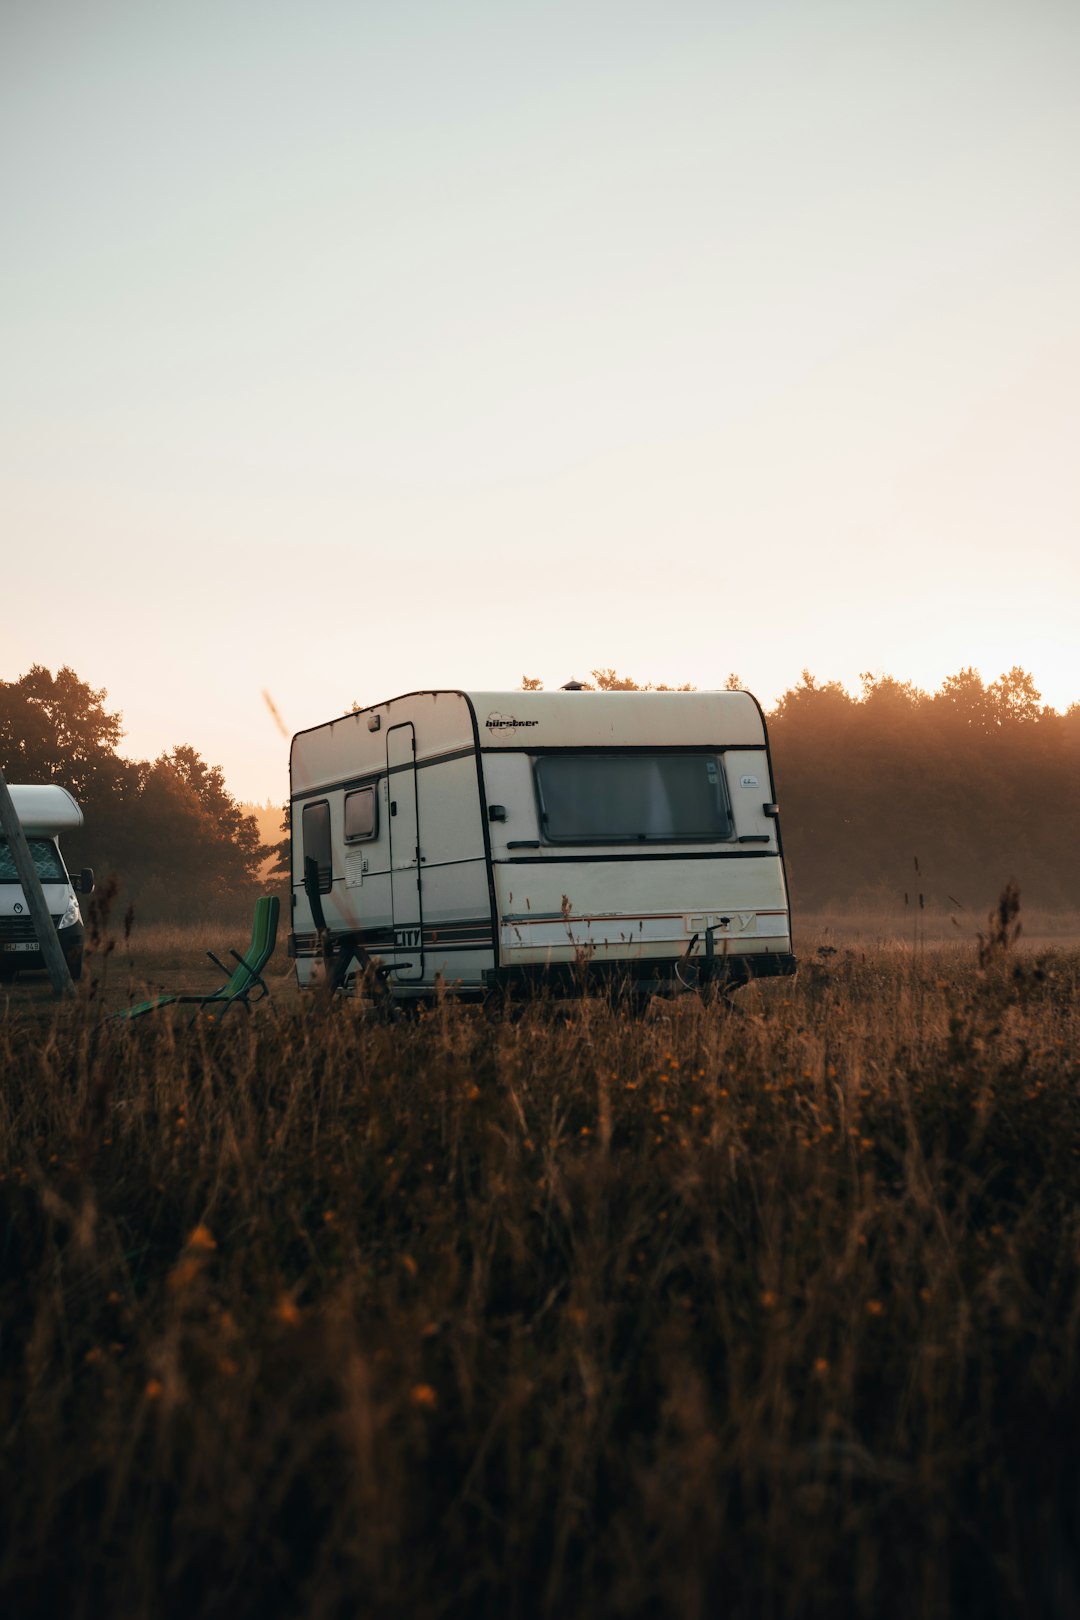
632,797
316,825
361,815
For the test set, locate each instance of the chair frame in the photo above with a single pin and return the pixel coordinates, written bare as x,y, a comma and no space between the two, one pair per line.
221,997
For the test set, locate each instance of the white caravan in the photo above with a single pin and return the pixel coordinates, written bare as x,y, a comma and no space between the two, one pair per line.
490,840
45,810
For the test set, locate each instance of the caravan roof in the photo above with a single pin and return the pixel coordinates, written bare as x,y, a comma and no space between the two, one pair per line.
531,722
45,808
578,719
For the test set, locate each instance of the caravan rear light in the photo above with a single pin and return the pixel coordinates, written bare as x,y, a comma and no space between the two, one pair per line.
771,810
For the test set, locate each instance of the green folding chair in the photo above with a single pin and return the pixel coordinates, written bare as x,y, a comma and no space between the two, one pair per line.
243,982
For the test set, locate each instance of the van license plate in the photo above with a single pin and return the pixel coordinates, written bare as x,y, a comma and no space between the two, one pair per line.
23,945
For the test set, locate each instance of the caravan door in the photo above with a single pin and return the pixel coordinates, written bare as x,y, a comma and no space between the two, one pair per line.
405,852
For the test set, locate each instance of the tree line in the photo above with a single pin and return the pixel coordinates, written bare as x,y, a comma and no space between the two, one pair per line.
976,783
889,792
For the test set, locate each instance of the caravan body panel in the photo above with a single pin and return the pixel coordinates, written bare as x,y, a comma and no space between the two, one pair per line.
415,889
652,903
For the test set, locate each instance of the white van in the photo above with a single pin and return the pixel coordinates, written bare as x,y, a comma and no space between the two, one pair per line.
45,811
491,840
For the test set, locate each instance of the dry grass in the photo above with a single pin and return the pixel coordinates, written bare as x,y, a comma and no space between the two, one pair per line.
899,927
765,1314
181,947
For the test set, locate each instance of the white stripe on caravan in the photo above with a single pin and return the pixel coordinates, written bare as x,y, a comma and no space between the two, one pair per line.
673,929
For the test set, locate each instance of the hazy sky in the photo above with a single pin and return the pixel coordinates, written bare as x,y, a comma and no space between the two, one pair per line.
350,348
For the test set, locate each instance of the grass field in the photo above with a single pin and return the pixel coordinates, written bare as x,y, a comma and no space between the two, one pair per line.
766,1313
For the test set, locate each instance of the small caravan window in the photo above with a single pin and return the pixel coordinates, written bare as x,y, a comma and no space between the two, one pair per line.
360,815
316,823
629,798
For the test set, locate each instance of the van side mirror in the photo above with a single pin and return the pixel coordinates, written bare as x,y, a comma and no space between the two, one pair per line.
85,881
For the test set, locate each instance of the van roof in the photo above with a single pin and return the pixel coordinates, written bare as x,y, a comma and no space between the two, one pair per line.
45,809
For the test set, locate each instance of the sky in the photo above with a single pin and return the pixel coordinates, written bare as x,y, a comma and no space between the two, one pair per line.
352,348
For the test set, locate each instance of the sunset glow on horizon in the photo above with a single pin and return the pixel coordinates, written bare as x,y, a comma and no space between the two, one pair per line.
352,350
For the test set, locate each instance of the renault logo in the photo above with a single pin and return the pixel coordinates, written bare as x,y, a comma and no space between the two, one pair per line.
17,906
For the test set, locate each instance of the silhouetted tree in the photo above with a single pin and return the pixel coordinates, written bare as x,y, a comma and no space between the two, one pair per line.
282,851
170,830
55,728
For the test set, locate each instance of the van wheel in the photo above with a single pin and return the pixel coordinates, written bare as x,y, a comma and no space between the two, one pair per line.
7,975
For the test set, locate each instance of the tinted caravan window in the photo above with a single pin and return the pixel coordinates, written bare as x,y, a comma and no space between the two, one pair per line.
316,834
614,798
360,815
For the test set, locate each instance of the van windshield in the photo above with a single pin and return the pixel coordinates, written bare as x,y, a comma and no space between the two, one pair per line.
616,798
50,868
